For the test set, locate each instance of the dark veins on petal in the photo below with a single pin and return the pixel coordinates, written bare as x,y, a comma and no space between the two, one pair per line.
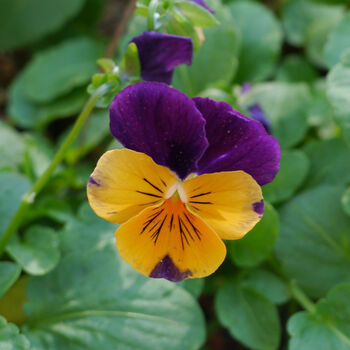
160,53
236,142
167,269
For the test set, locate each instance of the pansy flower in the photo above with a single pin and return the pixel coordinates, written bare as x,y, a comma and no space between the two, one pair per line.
160,53
189,177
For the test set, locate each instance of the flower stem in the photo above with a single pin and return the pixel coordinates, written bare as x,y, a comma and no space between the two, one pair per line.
299,295
40,183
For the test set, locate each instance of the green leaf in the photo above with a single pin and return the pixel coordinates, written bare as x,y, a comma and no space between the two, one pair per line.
130,65
294,167
308,24
38,155
327,328
198,15
314,240
193,286
299,15
58,70
11,147
261,35
333,167
250,317
37,251
217,57
345,200
94,300
285,105
27,114
268,284
338,42
10,339
12,187
338,90
320,112
295,68
27,21
257,244
9,272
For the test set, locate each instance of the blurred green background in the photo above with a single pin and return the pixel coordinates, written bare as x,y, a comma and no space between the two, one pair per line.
285,285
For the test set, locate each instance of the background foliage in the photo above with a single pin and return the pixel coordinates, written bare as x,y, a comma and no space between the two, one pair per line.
285,285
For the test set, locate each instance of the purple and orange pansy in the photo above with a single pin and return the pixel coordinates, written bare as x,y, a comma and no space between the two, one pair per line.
190,176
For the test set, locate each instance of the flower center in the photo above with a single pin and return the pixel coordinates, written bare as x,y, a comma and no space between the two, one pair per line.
176,192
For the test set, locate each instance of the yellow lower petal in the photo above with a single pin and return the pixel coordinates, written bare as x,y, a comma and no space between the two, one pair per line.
170,242
125,182
228,201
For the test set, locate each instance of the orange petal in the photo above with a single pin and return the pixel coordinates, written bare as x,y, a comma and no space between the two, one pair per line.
125,182
170,242
230,202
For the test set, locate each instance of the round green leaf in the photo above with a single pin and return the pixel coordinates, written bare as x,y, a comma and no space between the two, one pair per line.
327,328
27,114
309,23
293,170
257,244
37,252
285,105
10,339
313,244
345,200
9,272
329,162
10,157
12,187
193,286
338,42
249,316
27,21
94,300
267,284
299,15
338,90
57,70
295,68
261,36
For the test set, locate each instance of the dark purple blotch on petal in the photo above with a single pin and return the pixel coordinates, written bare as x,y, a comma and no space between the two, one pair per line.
162,122
203,4
93,182
259,207
167,269
237,142
160,53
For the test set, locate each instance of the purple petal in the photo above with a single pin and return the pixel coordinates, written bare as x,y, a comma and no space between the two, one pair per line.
257,113
160,53
162,122
203,4
237,142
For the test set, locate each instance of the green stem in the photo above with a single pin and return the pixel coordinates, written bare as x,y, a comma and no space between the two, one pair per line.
40,183
299,295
